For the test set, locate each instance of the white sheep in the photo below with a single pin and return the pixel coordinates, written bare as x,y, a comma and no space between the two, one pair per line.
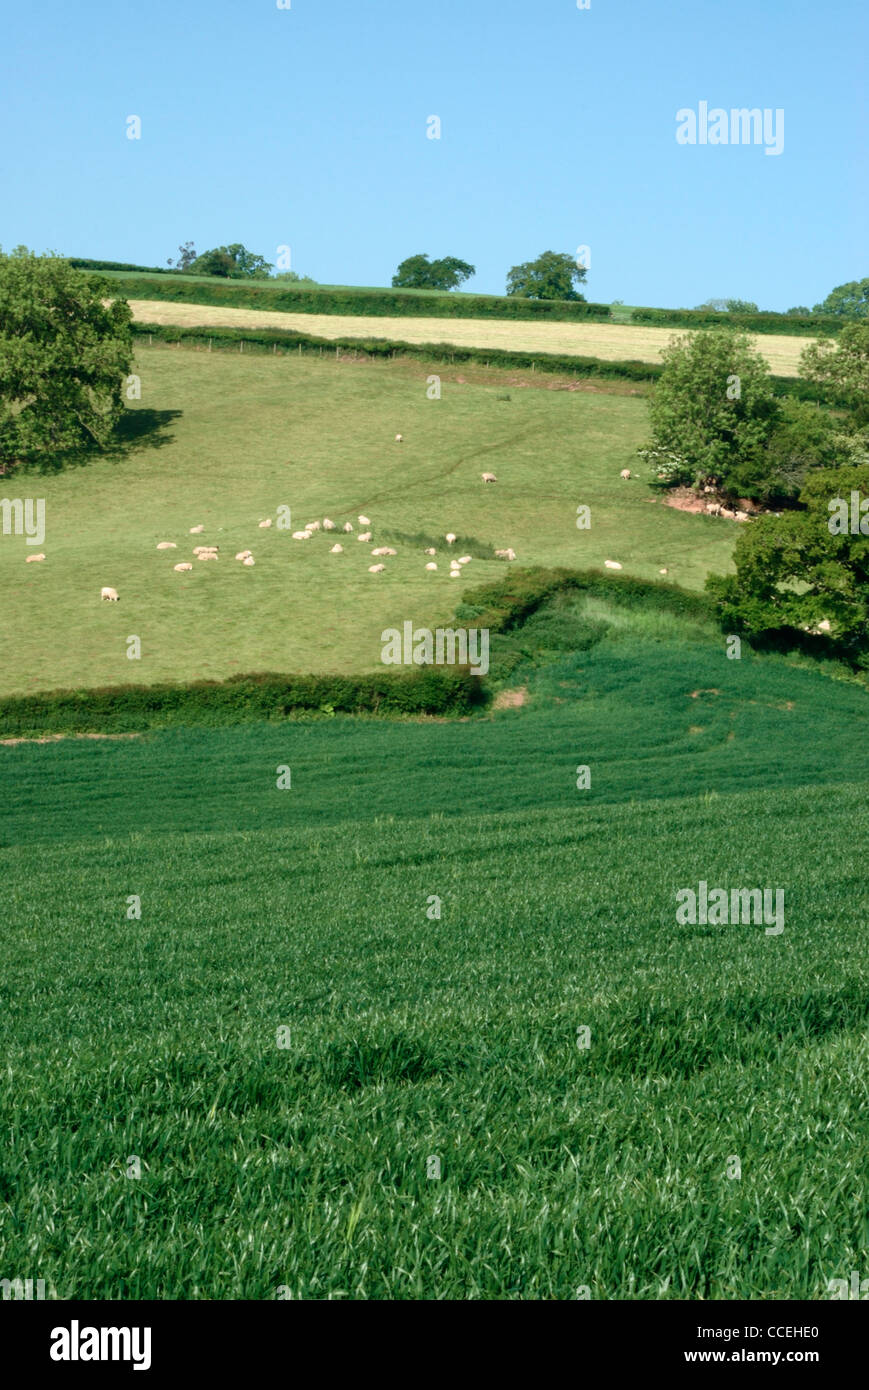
663,571
301,535
206,555
376,569
399,439
431,551
824,625
364,536
312,526
242,555
382,550
431,565
264,525
455,574
328,525
185,565
450,538
488,477
364,521
30,559
248,560
625,473
337,550
196,530
465,559
110,594
348,527
612,564
505,554
166,545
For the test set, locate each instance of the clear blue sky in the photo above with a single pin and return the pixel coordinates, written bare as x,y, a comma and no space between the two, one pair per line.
307,127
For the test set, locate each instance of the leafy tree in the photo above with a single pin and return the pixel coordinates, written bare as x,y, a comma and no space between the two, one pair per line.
553,275
793,573
799,311
843,364
850,301
233,262
730,306
419,273
64,355
712,411
292,277
186,256
804,438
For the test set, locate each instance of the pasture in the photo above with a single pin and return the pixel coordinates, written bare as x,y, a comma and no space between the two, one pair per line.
304,1160
614,342
223,440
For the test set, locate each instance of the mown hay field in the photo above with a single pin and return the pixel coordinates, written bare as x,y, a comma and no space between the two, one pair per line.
613,342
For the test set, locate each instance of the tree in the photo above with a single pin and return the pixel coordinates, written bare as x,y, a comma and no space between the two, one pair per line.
419,273
64,354
794,573
712,411
730,306
552,276
186,256
232,262
843,364
292,277
798,311
850,301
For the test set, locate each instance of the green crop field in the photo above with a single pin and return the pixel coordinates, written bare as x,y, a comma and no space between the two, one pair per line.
225,439
427,1124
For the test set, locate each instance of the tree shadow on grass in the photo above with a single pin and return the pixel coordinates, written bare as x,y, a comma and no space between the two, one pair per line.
141,428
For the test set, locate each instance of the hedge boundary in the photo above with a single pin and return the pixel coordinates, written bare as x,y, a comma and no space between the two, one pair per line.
382,348
239,700
306,299
811,326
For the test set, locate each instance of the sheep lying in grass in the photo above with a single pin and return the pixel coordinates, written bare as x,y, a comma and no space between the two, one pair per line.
185,565
312,525
327,524
376,569
301,535
364,520
364,536
505,554
431,565
337,550
248,560
612,564
431,551
166,545
242,555
264,525
196,530
32,559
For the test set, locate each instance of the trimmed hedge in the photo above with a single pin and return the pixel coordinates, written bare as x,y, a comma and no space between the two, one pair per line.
78,264
560,364
239,700
763,322
308,299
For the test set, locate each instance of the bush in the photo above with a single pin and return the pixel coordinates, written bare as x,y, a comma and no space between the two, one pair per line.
812,325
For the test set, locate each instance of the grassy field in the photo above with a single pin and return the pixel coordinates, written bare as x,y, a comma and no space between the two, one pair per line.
614,342
305,1167
229,438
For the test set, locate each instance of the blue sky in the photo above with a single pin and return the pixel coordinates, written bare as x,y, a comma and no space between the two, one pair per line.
307,127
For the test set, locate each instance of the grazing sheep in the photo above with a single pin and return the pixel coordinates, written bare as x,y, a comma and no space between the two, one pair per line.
206,555
449,538
167,545
455,574
382,550
301,535
376,569
348,526
196,530
431,565
264,525
399,439
431,551
612,564
465,559
364,536
505,554
185,565
328,525
364,521
110,594
663,571
31,558
248,560
625,473
337,550
242,555
713,508
488,477
312,526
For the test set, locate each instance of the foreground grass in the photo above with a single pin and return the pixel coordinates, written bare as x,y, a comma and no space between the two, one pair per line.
231,438
305,1167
